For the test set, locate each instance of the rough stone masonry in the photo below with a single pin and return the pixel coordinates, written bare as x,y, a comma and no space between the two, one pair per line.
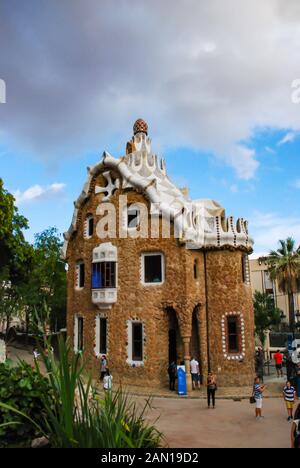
144,301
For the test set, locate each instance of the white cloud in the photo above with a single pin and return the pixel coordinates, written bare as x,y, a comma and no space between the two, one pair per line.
269,150
243,160
268,228
209,47
288,138
234,188
297,184
205,76
37,192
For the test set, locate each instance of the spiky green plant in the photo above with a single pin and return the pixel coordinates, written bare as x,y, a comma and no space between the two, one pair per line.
75,417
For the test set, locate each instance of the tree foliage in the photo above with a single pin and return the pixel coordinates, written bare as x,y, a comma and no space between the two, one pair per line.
21,388
11,305
36,273
74,416
284,267
15,252
267,315
50,276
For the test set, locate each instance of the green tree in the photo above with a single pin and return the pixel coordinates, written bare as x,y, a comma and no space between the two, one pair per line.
266,314
284,267
47,286
10,306
15,252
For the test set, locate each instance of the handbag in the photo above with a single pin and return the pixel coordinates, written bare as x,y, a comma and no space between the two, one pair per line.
252,398
212,387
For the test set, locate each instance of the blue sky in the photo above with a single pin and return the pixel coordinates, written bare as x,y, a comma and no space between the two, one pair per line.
214,87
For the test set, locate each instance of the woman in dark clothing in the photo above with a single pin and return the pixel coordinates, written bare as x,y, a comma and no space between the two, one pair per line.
211,389
172,371
290,371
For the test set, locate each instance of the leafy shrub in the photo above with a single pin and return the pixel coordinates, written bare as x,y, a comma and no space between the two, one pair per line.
20,388
70,413
81,419
120,423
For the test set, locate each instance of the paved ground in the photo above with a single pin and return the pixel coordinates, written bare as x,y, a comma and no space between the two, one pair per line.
188,423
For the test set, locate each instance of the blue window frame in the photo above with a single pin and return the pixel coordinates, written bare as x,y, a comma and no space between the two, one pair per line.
103,275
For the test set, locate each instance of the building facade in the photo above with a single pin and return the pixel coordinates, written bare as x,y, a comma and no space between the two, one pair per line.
261,282
154,277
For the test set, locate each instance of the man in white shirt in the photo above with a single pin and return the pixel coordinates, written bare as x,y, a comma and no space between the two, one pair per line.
195,373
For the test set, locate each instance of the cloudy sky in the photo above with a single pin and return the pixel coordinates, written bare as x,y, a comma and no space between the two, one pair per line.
213,79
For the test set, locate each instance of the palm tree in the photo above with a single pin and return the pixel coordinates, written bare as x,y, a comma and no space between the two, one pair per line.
284,267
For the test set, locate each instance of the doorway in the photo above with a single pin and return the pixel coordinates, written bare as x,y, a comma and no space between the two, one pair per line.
175,342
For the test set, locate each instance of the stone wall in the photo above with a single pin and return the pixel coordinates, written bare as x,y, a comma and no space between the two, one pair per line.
228,294
150,304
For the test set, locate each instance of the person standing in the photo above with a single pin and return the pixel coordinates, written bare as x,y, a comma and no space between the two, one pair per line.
259,363
289,394
172,371
211,389
278,362
103,367
290,370
36,354
258,391
195,373
295,431
107,381
298,380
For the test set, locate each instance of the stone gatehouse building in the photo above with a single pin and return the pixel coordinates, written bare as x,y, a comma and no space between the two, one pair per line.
155,277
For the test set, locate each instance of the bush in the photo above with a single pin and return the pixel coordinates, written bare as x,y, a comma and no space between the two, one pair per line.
81,419
119,423
20,388
68,411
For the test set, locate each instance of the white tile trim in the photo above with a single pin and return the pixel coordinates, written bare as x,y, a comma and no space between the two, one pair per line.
77,316
77,275
233,356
